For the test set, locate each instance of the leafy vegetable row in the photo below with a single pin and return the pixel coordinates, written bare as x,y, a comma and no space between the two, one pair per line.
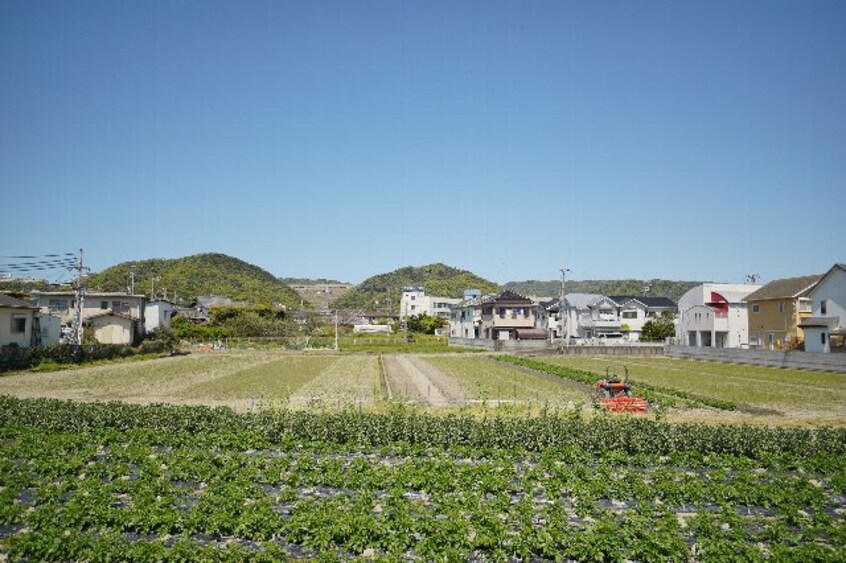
550,430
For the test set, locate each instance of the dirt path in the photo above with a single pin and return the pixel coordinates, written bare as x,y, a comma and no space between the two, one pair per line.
413,379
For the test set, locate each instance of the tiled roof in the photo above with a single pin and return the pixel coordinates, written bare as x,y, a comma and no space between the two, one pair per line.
785,288
13,303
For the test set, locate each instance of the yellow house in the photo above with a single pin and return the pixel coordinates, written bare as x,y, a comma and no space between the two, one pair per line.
775,311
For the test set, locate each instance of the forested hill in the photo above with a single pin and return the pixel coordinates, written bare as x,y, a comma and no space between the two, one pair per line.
201,274
437,279
657,288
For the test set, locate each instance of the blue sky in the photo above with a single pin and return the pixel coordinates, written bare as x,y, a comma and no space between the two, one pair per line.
674,140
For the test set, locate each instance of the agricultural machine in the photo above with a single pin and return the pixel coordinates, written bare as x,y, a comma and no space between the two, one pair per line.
615,395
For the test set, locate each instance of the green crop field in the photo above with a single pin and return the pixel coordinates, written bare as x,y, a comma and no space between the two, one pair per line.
488,380
793,393
82,482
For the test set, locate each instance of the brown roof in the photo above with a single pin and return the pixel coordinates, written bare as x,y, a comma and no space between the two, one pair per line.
786,288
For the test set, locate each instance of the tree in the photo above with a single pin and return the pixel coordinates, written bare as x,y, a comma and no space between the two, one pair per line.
657,330
425,323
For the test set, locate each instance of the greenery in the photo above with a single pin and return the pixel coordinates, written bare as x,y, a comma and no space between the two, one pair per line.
17,358
437,279
653,393
657,288
202,274
659,329
84,482
425,324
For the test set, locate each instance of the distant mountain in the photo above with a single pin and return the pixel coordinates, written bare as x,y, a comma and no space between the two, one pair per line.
656,288
438,279
202,274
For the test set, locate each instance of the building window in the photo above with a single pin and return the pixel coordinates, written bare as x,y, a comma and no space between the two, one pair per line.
823,307
18,323
822,338
629,314
502,312
104,304
756,308
58,305
781,306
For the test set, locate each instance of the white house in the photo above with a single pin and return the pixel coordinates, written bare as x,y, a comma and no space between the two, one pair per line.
106,306
414,302
16,321
826,328
588,315
157,313
635,311
714,315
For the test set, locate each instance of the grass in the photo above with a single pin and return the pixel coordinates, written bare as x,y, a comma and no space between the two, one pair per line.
275,380
764,387
491,381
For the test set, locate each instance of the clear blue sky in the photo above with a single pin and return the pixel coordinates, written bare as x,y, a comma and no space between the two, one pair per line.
681,140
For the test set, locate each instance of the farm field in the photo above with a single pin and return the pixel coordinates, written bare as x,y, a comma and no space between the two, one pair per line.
129,482
770,393
241,380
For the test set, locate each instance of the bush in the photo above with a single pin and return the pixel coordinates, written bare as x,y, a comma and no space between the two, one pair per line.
14,358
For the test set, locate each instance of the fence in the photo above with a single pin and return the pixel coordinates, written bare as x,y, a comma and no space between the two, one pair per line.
791,359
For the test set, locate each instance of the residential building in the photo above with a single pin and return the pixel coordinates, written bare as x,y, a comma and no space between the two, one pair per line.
415,302
507,316
776,311
110,327
825,329
106,306
714,315
588,315
16,321
157,313
635,311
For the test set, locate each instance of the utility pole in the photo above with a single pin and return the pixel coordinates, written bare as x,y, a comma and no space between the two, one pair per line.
564,325
153,287
336,330
132,282
76,331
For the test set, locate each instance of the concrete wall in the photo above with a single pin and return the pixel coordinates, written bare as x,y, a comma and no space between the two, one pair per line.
538,347
772,358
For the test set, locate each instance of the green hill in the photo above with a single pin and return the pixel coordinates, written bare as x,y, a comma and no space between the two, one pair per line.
437,279
657,288
183,279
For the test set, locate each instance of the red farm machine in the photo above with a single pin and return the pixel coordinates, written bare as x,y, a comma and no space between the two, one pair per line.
615,395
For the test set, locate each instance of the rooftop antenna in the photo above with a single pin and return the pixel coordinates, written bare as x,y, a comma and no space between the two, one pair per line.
752,278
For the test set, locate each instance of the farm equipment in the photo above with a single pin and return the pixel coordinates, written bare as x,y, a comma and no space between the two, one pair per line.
615,395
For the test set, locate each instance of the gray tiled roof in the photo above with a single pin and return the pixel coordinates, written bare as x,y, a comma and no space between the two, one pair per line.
9,301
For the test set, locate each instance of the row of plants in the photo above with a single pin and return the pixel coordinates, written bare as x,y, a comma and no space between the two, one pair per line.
557,429
18,358
653,393
152,493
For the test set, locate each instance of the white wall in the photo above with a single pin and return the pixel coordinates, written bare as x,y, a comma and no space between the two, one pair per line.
22,339
156,314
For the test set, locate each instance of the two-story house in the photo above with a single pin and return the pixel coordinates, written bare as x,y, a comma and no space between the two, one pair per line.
825,329
635,311
714,315
414,302
116,318
776,311
509,316
589,315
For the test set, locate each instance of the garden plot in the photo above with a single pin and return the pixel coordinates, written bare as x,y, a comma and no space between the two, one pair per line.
149,381
350,381
412,379
496,383
796,394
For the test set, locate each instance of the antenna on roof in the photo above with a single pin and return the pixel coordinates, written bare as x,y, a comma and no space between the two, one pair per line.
752,278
